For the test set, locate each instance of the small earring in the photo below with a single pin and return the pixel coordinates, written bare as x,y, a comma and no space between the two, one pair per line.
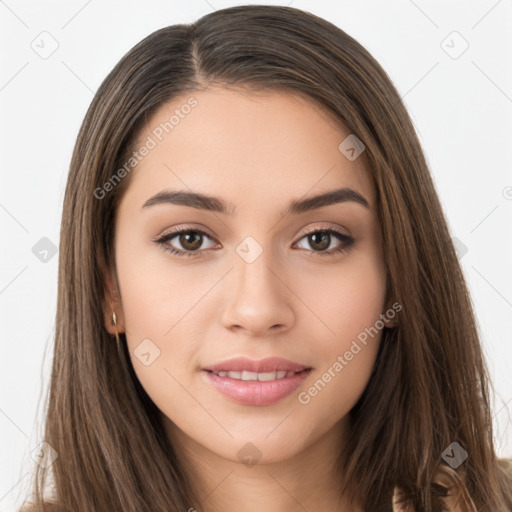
393,324
114,322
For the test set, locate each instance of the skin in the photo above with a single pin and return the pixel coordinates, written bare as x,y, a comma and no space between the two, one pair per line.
258,151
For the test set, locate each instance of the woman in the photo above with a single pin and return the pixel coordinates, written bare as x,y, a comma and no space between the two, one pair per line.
260,305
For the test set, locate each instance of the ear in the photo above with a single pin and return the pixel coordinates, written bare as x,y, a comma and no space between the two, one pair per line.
111,299
390,323
390,317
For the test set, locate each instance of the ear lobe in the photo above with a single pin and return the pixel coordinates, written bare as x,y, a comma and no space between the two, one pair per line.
390,321
110,300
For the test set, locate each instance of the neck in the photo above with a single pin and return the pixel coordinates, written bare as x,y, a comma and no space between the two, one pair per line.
305,481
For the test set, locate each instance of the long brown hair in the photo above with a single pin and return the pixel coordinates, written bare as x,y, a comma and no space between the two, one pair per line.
430,385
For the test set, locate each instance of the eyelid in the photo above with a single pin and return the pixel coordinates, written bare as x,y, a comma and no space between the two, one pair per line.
313,229
325,226
185,227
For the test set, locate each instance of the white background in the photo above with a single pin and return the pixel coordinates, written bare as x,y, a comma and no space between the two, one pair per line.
461,107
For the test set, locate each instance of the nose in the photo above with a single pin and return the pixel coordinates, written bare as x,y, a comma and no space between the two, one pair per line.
258,297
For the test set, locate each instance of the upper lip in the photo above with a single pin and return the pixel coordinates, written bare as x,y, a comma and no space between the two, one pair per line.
269,364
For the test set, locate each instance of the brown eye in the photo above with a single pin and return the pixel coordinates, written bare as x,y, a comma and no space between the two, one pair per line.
321,239
190,241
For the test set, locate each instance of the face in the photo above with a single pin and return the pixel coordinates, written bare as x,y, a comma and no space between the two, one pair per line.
257,279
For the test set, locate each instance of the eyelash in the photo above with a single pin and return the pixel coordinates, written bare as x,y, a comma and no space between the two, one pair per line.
162,241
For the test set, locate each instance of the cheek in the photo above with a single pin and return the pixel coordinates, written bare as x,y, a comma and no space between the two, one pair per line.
160,325
157,293
343,299
348,305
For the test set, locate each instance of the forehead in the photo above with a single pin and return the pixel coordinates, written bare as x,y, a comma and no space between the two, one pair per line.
245,146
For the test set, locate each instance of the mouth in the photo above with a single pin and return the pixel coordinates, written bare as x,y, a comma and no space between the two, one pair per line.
258,376
255,388
269,368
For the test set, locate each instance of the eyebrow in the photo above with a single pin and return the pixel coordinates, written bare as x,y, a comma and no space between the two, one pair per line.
215,204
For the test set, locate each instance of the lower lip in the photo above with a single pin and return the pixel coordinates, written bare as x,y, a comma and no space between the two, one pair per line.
252,392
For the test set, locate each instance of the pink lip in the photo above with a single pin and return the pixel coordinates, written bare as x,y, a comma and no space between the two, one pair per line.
269,364
256,392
